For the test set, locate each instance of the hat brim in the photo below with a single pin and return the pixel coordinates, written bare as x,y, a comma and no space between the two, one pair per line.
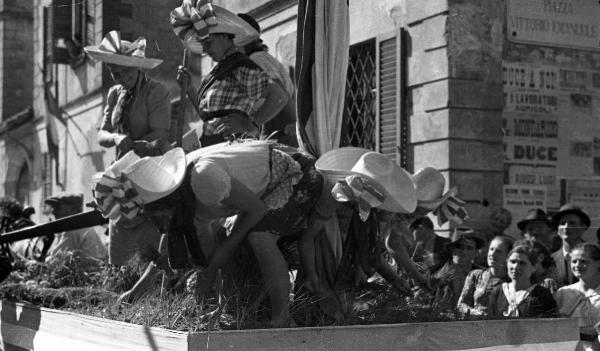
156,177
479,243
433,204
521,225
584,217
145,63
336,164
402,198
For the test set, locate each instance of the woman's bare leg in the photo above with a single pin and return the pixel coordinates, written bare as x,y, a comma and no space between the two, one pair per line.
275,274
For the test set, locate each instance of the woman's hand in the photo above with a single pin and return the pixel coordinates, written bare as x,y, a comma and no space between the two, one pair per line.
184,80
123,142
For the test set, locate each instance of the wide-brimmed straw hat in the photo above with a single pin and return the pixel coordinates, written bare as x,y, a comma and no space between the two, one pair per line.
534,215
571,209
115,51
132,182
430,185
335,164
195,20
377,171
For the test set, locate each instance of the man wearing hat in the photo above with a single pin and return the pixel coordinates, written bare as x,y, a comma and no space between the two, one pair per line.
85,242
572,223
536,227
450,276
137,115
236,97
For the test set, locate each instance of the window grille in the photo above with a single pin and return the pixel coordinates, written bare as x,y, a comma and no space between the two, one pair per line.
359,120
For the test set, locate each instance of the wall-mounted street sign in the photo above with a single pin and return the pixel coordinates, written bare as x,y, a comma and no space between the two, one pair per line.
569,23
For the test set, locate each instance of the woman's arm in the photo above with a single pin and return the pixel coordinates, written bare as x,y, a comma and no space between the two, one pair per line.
251,210
275,99
393,243
106,135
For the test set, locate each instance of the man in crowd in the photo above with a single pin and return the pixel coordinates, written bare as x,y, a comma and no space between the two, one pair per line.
572,223
85,242
536,227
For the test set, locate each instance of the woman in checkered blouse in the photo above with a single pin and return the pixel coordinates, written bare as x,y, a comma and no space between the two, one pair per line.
237,97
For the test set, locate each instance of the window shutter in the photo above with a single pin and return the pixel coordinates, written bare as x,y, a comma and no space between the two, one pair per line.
391,122
61,29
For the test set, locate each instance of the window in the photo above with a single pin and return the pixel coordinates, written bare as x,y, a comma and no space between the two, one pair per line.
374,116
65,32
23,186
359,121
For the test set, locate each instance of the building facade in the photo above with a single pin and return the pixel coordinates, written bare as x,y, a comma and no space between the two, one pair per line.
501,96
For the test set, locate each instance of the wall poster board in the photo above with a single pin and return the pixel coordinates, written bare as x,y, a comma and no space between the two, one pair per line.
551,126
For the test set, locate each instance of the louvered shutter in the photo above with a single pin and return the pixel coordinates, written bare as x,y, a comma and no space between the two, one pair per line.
391,132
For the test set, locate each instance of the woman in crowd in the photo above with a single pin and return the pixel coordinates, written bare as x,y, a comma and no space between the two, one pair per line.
545,274
581,300
450,276
521,297
237,96
481,282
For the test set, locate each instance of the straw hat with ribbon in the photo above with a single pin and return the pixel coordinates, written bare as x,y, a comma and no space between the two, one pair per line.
132,181
430,184
372,181
122,52
194,20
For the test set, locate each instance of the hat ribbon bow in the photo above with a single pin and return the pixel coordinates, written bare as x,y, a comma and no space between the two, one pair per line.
355,189
112,43
451,209
193,17
117,196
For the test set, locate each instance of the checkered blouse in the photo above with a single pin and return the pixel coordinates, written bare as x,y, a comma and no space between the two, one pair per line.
239,91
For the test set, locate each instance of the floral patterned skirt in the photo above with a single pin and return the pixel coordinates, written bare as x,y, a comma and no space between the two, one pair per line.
292,217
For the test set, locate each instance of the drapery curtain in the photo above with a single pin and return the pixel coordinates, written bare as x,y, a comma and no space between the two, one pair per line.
321,68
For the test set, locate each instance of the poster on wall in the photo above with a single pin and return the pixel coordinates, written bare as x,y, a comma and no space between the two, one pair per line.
519,199
530,151
543,176
551,121
569,23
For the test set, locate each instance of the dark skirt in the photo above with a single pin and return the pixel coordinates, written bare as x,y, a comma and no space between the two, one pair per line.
292,217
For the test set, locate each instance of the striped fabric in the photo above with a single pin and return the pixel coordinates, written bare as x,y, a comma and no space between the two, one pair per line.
452,208
193,17
117,196
112,43
358,190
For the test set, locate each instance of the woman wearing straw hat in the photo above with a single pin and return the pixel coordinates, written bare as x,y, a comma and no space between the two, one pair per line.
382,192
237,96
270,188
137,117
283,126
138,112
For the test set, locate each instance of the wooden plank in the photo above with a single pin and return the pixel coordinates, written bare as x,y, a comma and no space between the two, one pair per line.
540,334
32,327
